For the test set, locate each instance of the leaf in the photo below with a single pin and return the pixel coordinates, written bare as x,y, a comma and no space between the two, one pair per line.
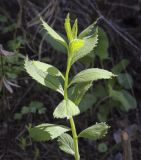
46,131
125,80
53,34
118,68
88,31
66,109
91,74
95,132
87,102
77,92
89,44
75,45
75,29
66,143
125,98
53,71
45,74
68,28
101,49
55,44
103,112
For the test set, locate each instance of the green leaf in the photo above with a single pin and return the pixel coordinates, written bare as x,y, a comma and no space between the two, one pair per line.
77,92
66,143
55,44
118,68
101,49
51,70
46,131
45,74
91,74
125,80
75,45
53,34
88,31
103,112
68,28
87,102
89,44
66,109
75,29
125,98
95,132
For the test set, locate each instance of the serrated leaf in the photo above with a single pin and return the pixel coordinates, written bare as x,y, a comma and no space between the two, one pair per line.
75,29
88,31
125,80
77,92
91,74
89,44
95,132
47,75
66,109
51,70
66,143
125,98
101,49
75,45
53,34
46,131
68,28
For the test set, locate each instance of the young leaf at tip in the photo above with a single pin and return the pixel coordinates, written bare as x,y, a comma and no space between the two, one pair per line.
68,28
75,29
90,43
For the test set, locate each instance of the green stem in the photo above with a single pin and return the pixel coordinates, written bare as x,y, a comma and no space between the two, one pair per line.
72,124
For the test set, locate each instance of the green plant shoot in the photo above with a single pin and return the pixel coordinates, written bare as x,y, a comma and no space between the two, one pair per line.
77,46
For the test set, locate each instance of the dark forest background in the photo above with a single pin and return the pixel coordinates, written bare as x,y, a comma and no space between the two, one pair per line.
24,102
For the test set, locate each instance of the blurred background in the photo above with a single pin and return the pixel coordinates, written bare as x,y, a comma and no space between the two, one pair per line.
117,102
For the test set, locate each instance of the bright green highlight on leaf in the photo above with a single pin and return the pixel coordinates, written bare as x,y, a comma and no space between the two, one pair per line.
75,45
68,28
97,131
75,29
66,143
89,44
66,109
46,131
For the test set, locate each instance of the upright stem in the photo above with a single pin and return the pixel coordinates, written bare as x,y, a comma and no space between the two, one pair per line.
72,124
